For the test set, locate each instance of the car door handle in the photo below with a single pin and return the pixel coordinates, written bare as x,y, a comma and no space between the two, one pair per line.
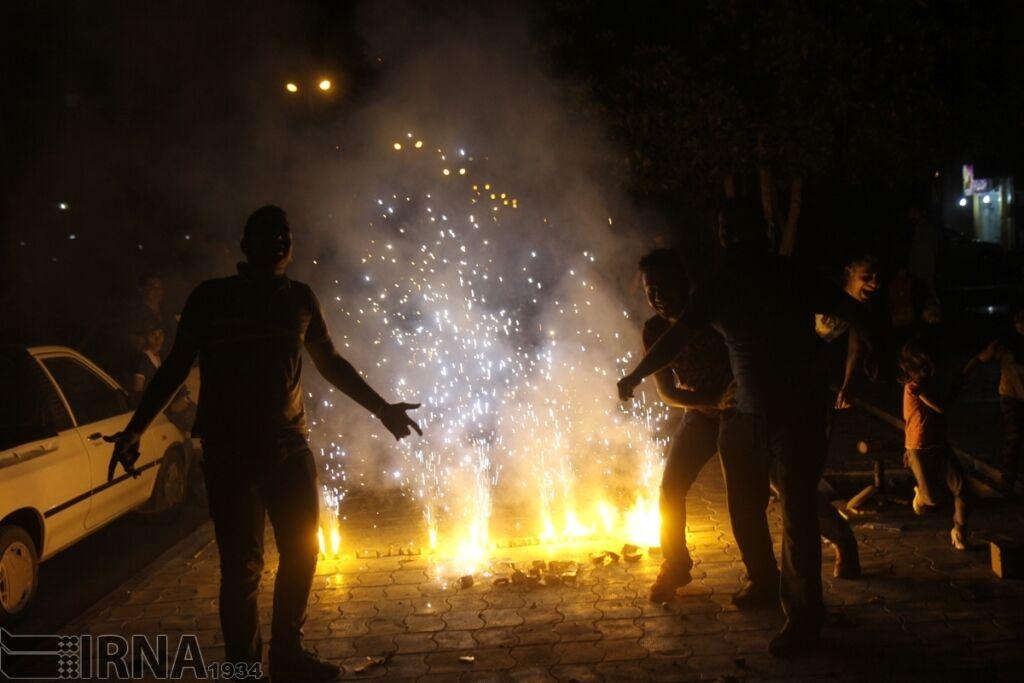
41,449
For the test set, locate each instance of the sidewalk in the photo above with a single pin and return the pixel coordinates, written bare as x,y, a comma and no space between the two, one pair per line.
922,612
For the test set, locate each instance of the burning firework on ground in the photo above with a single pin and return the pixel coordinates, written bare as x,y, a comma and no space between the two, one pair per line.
513,351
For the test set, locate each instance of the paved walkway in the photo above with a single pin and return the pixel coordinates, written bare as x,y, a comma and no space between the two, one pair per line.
922,612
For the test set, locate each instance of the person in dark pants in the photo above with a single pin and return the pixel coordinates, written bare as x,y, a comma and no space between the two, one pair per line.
1009,351
248,331
763,306
699,381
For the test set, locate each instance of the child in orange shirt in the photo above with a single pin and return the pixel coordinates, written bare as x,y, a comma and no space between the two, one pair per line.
926,398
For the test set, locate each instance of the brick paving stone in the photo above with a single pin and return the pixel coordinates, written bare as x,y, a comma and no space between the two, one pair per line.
750,641
333,648
617,609
618,628
534,616
669,669
425,623
454,640
621,649
357,609
406,667
504,636
628,670
669,646
506,616
534,655
698,645
575,673
531,674
484,660
462,620
411,643
374,645
576,629
533,634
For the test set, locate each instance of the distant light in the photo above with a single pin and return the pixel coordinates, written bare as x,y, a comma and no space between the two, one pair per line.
446,172
397,145
325,85
63,206
188,237
419,143
963,201
72,236
291,87
986,200
462,171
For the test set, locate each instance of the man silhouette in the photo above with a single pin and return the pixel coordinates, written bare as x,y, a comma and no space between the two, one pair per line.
248,331
763,306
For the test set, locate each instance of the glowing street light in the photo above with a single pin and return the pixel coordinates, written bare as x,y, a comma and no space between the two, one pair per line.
291,87
325,85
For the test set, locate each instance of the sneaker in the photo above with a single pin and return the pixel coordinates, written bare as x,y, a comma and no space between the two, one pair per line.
959,538
793,641
668,582
917,503
301,665
757,596
847,561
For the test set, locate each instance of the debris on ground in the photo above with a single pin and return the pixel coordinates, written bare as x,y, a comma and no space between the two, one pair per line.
469,659
612,556
502,581
369,663
884,526
466,581
518,578
598,558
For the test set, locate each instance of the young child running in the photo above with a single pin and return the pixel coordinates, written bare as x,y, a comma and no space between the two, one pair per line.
1009,351
927,395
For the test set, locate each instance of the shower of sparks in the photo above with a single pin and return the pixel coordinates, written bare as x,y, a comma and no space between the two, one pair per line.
514,354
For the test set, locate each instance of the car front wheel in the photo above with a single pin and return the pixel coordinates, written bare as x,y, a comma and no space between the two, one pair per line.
19,572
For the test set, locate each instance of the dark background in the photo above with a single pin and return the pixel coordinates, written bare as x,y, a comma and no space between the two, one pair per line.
150,121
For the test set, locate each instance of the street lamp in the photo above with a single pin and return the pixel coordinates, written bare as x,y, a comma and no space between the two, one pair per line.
291,87
325,85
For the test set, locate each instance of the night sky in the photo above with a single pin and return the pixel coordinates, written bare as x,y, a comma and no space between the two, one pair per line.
164,124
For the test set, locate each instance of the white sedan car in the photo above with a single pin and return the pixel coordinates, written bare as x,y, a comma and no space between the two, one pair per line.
55,408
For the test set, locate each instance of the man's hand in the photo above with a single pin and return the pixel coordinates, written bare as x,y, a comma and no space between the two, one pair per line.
627,385
842,402
397,422
126,453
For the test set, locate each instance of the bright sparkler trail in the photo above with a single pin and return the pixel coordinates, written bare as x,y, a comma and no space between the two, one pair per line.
513,352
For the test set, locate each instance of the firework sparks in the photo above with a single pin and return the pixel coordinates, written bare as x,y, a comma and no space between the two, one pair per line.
502,354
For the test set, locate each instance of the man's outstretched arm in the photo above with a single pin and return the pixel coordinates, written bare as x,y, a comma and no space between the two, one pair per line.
162,388
339,372
661,353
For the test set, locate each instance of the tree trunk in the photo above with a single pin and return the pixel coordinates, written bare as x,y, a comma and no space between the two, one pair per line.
796,188
729,185
767,200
